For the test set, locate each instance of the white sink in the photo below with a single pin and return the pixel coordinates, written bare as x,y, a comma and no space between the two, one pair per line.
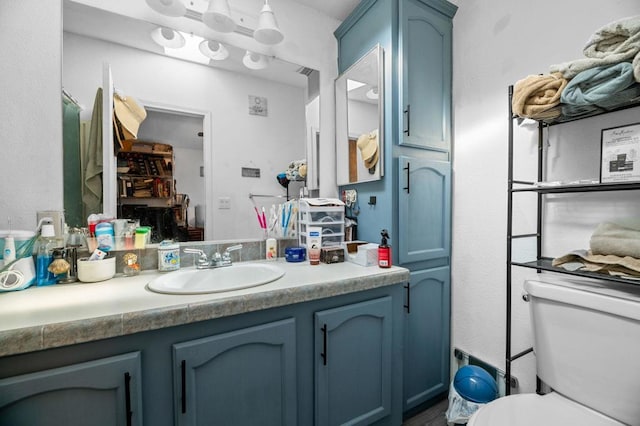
227,278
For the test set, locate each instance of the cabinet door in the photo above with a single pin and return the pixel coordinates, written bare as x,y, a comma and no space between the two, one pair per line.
244,377
102,392
426,339
424,209
425,41
353,363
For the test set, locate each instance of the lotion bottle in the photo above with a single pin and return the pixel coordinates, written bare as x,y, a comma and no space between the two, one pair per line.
271,252
384,251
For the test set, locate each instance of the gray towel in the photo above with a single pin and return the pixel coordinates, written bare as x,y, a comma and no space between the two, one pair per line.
615,42
612,238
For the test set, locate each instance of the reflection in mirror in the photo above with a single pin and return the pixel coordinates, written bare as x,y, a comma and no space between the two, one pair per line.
215,99
359,120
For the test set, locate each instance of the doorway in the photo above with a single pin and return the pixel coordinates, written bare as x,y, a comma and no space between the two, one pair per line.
186,131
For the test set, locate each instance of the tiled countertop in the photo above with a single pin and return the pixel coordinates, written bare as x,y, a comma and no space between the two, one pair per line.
47,317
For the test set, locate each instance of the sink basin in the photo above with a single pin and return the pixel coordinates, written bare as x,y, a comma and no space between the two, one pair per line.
228,278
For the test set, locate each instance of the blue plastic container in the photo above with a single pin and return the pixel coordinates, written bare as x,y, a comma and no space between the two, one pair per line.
295,254
475,384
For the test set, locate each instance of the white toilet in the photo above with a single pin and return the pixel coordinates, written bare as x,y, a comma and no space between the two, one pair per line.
587,346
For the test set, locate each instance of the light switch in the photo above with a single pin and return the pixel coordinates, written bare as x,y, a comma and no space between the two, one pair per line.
224,203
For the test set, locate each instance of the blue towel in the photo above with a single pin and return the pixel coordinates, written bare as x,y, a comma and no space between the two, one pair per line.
595,85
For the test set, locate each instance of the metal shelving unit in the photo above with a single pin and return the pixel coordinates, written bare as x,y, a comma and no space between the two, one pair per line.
544,263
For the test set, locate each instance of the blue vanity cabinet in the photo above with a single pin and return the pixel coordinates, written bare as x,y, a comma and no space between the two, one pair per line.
245,377
105,392
425,75
426,336
424,210
353,367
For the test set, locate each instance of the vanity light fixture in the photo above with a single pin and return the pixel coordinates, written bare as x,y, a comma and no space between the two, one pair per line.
268,31
214,50
255,61
218,16
173,8
166,37
372,93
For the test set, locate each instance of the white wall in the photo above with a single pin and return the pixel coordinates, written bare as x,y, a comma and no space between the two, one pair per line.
31,110
238,139
496,43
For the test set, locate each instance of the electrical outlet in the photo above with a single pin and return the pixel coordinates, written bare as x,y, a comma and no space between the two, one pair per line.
224,203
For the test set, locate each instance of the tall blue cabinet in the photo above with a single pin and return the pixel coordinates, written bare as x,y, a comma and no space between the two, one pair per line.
414,195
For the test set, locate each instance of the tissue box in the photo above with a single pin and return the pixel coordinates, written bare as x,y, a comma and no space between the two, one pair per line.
362,253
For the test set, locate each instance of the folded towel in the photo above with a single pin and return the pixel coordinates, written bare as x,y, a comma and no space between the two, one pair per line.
612,238
636,67
630,95
626,267
615,42
536,95
598,84
621,37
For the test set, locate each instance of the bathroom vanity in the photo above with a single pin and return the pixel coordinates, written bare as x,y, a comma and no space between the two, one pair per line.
321,345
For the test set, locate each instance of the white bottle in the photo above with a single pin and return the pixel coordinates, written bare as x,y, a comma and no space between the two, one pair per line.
271,252
9,253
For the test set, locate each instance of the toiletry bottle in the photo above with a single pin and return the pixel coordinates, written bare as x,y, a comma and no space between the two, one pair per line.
105,236
271,249
44,256
384,251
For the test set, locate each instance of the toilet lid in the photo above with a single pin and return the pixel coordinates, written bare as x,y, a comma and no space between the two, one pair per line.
551,409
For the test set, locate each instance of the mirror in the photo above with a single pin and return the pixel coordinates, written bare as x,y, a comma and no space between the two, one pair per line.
216,96
359,120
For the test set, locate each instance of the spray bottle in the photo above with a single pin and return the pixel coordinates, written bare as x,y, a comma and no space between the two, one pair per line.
384,251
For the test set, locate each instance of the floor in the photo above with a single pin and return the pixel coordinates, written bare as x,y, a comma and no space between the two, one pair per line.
433,416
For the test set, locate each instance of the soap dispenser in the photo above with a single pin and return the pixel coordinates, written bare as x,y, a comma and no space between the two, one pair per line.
44,257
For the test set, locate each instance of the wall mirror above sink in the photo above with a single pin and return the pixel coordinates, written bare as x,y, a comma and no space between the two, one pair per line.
359,120
229,135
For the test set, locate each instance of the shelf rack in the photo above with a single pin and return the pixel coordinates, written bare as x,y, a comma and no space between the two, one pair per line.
544,263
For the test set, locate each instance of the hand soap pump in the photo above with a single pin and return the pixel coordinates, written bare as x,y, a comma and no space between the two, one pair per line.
384,251
44,256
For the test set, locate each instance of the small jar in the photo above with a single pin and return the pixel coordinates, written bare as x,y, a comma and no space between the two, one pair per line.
141,237
168,256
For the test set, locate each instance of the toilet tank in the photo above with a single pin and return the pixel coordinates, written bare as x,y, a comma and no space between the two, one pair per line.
587,343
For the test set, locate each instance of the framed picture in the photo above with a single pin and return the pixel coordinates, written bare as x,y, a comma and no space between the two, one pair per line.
258,106
620,154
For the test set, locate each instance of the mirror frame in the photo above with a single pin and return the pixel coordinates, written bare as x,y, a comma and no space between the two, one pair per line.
342,119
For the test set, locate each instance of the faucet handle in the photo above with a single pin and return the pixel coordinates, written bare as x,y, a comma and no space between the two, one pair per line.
203,260
227,253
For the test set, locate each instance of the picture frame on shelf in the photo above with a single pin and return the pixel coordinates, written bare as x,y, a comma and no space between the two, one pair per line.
620,154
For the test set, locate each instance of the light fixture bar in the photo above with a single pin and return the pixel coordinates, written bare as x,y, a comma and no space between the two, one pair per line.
194,15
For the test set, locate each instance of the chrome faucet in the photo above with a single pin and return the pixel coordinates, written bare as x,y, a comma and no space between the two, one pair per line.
217,261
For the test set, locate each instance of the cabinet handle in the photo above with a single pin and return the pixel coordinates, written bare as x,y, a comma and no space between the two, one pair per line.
324,344
127,397
183,385
408,169
408,305
408,112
